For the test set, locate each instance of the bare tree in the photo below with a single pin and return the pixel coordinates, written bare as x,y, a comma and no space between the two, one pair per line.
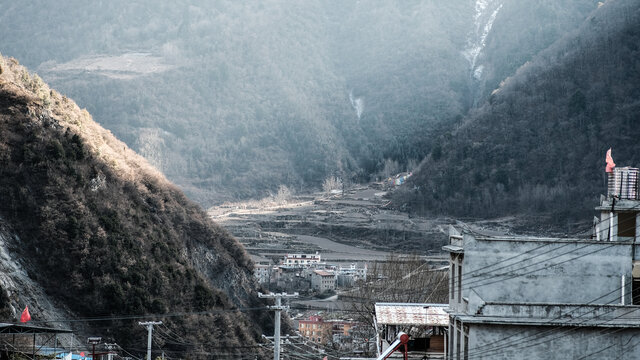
407,279
332,183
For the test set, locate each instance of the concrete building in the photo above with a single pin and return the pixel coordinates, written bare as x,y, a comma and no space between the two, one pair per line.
322,280
620,209
301,260
314,329
262,273
549,298
347,276
321,331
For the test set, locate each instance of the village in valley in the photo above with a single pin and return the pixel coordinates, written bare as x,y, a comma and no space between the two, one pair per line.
498,293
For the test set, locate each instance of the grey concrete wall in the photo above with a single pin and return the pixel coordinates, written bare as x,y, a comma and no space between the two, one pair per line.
533,342
565,271
580,314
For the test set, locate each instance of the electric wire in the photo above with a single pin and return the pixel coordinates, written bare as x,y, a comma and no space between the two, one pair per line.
490,282
541,269
150,316
569,243
521,344
572,328
577,307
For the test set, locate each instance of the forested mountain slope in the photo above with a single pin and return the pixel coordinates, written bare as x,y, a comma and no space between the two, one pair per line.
538,145
232,98
106,235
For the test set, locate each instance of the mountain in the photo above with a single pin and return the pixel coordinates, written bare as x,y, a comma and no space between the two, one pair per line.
232,99
90,229
537,145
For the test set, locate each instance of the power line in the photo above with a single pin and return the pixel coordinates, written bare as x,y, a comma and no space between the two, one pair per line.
475,274
571,327
577,307
147,316
475,284
506,266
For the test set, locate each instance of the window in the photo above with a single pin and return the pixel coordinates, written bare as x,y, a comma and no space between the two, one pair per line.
450,339
458,336
635,292
466,342
635,283
626,224
460,281
453,278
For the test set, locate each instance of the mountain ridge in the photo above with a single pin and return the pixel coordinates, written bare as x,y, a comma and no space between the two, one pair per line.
250,95
537,145
105,234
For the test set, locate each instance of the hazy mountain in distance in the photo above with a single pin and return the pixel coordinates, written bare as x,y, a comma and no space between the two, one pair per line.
537,146
231,99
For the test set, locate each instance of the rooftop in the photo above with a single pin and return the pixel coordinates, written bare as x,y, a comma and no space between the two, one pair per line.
412,314
457,242
7,328
544,314
323,273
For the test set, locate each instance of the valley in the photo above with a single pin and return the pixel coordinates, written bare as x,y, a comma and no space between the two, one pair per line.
358,225
350,227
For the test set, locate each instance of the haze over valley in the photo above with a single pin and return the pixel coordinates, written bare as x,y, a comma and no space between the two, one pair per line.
233,99
175,159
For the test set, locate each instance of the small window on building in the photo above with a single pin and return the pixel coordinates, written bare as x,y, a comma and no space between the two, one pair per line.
626,224
458,339
460,282
635,292
453,280
466,341
450,337
635,284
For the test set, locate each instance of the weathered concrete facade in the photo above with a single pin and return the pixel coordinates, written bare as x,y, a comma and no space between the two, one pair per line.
541,298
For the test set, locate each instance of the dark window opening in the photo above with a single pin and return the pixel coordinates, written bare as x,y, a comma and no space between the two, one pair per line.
635,292
626,224
453,280
459,283
452,330
459,335
466,342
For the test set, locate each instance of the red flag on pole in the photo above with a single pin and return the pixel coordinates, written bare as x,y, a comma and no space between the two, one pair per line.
25,315
610,163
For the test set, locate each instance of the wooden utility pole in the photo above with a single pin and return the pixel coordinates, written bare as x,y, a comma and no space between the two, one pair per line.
278,309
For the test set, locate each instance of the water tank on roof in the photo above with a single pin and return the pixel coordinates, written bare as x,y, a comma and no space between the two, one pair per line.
623,183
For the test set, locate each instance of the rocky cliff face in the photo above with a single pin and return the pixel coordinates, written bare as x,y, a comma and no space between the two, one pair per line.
90,229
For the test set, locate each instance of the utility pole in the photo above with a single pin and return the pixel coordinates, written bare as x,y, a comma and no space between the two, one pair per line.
94,340
149,325
278,309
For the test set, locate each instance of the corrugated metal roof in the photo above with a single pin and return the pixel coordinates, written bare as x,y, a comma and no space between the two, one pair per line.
412,314
7,328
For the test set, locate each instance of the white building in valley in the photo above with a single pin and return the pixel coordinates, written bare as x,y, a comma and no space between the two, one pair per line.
301,260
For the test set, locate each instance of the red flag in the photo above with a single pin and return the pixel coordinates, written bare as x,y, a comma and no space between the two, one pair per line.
25,315
82,354
610,163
